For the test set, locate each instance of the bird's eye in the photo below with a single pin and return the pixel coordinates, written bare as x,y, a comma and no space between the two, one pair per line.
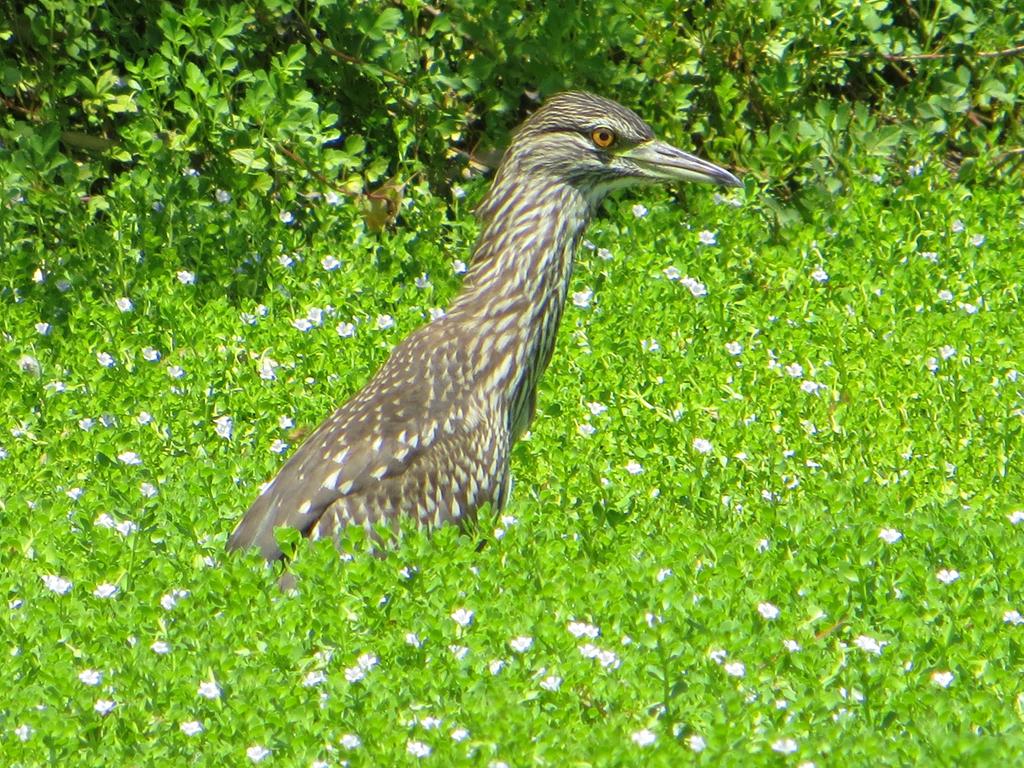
602,138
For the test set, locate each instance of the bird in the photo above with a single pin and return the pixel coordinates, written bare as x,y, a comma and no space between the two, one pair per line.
429,437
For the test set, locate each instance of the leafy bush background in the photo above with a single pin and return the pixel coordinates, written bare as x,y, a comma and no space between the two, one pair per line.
280,96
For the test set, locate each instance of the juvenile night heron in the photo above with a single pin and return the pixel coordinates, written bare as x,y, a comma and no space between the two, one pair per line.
429,437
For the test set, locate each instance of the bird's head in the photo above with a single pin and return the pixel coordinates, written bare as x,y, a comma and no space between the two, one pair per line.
598,145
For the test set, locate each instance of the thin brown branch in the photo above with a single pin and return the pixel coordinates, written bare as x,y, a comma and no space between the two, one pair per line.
1017,50
298,160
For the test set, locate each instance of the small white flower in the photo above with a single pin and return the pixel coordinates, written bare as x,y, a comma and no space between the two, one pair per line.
735,669
367,661
977,240
634,468
330,263
639,210
436,313
314,678
422,282
521,644
604,254
700,445
663,574
268,368
350,741
734,348
942,679
947,575
1013,617
346,330
257,752
417,748
582,298
819,275
176,372
209,689
644,738
104,706
462,616
458,651
57,584
707,237
223,425
785,746
696,743
459,267
459,734
29,364
430,723
286,217
791,645
354,674
24,732
411,638
105,360
191,727
811,387
931,256
582,629
718,655
105,591
124,304
496,666
1016,517
130,458
90,676
695,286
384,322
278,446
946,351
185,277
671,273
222,196
768,611
160,647
458,192
302,324
868,644
890,535
597,408
43,329
551,683
586,429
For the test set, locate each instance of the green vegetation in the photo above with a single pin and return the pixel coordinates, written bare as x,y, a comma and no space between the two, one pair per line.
771,511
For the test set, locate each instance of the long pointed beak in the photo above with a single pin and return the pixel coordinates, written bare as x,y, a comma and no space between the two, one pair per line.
666,163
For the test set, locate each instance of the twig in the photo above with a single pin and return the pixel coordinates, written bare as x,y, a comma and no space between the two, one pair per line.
1016,50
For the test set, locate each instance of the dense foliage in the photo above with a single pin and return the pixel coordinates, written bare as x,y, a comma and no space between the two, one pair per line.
771,511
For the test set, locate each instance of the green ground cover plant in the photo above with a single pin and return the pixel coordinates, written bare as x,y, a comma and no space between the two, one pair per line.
771,511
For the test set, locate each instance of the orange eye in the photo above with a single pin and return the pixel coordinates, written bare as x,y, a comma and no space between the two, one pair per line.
602,138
